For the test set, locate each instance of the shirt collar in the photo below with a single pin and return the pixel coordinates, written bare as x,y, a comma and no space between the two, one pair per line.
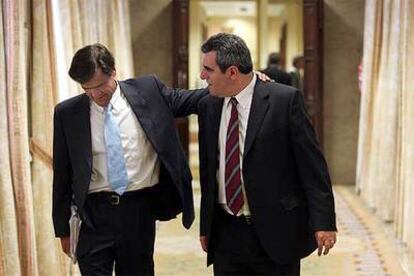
245,96
115,102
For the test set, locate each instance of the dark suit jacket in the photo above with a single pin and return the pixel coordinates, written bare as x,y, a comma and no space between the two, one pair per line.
278,75
155,107
285,174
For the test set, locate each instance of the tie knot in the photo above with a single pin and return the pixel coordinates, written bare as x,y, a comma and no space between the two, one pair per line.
108,108
233,101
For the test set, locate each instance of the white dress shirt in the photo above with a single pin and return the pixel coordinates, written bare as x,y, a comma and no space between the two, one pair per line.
244,99
141,160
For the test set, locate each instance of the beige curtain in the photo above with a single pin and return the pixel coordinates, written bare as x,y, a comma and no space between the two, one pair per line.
386,134
119,38
379,116
9,249
15,14
34,60
405,211
50,259
372,44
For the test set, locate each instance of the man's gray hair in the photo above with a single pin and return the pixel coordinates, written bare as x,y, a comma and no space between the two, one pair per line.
231,50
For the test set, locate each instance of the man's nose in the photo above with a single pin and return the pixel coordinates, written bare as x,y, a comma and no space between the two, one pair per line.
203,75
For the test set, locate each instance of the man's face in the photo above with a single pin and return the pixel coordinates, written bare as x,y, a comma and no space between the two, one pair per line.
300,64
100,88
218,82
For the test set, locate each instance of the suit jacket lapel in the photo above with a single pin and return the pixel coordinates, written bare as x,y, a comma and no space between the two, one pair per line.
135,99
139,105
258,111
213,125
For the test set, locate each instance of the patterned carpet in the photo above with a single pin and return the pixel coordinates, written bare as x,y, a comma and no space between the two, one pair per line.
364,247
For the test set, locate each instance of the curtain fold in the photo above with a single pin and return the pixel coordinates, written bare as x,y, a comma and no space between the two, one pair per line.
372,46
9,249
38,39
67,38
376,174
385,167
119,38
16,47
51,260
385,124
405,213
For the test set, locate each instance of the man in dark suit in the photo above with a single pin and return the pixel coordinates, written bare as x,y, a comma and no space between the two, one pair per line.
297,74
118,159
274,71
266,196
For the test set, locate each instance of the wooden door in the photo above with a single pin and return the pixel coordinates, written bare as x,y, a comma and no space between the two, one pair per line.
282,47
313,53
180,23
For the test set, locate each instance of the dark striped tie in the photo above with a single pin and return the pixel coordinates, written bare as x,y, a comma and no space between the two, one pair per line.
234,193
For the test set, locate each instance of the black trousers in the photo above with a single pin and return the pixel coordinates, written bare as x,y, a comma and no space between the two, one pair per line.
238,251
123,234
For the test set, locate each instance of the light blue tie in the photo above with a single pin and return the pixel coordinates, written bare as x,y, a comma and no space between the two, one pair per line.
117,174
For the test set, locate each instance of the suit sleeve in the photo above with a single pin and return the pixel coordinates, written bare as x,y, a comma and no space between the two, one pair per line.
180,101
312,167
62,192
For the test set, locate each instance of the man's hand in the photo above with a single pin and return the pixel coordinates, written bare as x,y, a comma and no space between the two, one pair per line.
65,242
204,242
263,76
325,239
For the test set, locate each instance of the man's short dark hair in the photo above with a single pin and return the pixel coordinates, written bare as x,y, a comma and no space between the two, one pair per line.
231,50
88,59
273,59
296,61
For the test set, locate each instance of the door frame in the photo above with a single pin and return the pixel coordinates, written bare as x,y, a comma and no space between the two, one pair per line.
313,55
180,35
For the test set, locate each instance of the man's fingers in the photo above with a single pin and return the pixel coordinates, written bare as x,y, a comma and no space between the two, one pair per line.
204,246
66,249
324,246
204,243
328,245
65,242
326,251
320,247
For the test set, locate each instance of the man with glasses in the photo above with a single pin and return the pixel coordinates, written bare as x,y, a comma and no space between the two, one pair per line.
118,159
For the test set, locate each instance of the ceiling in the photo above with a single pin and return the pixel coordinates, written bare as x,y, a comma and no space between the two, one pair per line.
237,8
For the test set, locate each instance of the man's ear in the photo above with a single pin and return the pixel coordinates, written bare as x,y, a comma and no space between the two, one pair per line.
233,72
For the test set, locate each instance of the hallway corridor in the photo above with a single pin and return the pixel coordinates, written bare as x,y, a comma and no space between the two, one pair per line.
365,245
